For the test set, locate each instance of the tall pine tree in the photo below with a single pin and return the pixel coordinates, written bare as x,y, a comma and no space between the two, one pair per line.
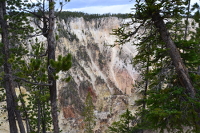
168,62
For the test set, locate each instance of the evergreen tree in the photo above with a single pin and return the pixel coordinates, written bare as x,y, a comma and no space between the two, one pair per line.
17,30
35,69
37,110
8,80
124,125
168,60
89,118
48,31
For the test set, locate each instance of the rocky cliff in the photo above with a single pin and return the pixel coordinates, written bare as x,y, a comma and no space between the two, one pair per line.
104,71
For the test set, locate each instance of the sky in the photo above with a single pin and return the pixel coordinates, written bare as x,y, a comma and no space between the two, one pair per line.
100,6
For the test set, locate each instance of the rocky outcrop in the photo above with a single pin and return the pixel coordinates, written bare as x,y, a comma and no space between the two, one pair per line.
104,71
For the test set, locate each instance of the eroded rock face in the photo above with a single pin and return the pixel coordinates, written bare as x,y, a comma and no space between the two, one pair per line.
106,72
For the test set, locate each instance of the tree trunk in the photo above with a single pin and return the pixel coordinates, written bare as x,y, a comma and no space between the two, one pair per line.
43,119
18,114
51,55
8,82
181,70
28,128
39,113
11,97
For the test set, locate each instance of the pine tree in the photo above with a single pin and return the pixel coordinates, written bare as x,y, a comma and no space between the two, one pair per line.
29,68
168,61
89,117
8,81
124,125
48,31
8,29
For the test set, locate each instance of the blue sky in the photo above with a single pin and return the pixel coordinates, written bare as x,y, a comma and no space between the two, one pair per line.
100,6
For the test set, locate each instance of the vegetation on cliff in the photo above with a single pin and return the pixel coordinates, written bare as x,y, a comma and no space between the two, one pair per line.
168,61
67,14
88,113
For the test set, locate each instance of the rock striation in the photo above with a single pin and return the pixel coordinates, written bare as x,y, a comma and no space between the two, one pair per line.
104,71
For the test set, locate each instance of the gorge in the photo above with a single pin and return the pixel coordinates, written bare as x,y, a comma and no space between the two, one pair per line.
104,71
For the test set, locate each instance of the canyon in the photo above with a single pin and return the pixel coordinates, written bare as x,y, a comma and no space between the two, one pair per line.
98,67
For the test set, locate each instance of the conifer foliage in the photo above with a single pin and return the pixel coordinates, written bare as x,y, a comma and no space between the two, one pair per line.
124,125
168,61
89,117
29,64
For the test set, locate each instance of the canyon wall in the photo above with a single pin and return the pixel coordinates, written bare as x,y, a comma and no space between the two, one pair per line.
104,71
98,68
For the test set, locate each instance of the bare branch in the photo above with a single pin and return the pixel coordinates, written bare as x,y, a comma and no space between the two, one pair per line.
34,83
196,72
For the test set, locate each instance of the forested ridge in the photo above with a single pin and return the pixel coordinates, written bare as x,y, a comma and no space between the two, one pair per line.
167,59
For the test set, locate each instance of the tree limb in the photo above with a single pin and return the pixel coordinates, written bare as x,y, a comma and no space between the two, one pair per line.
34,83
